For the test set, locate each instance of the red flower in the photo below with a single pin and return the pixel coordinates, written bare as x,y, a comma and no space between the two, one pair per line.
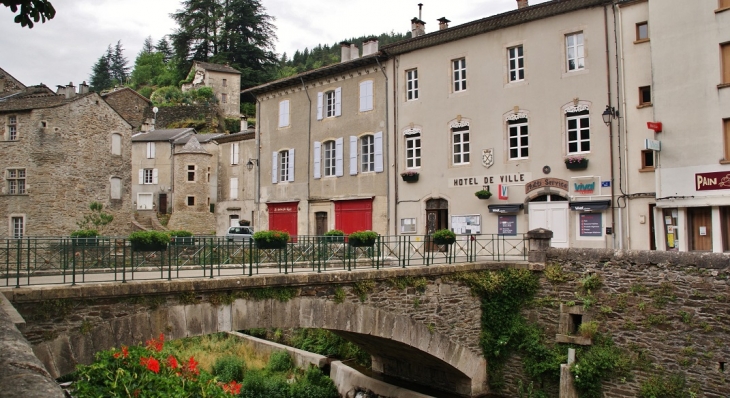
172,362
192,366
117,355
125,351
232,387
156,344
150,363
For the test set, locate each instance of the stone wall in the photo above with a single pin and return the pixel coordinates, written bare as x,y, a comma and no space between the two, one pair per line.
166,115
129,104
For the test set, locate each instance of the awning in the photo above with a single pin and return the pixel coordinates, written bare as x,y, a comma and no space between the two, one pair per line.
596,205
508,208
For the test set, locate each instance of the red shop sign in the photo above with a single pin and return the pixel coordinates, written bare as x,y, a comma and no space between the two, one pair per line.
712,181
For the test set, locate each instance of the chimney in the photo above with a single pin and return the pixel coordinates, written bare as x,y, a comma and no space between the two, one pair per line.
418,27
370,46
61,90
354,51
244,123
83,88
522,4
344,51
443,23
70,90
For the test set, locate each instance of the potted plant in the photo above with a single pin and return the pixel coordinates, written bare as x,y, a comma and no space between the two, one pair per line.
483,194
362,238
443,237
85,237
576,162
149,241
409,176
335,236
271,239
181,237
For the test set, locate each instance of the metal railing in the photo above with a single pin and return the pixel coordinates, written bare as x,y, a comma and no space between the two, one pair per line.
42,261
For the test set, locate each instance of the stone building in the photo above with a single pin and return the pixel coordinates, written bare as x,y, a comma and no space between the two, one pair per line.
225,82
60,152
128,103
236,180
9,85
322,136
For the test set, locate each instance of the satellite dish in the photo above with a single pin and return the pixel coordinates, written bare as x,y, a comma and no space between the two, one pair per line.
155,109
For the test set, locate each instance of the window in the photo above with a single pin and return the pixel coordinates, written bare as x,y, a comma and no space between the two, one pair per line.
284,113
235,147
726,133
16,181
642,31
516,64
18,225
224,98
460,145
191,172
329,104
574,51
284,166
647,159
412,85
367,153
413,151
148,176
519,139
115,188
459,70
150,150
722,4
366,96
191,200
233,194
579,133
225,82
725,48
644,95
12,128
116,144
329,158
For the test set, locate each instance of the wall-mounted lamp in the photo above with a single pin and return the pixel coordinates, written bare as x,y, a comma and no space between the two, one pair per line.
609,114
251,163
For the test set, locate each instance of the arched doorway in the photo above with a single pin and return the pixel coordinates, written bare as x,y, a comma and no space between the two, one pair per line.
437,216
550,212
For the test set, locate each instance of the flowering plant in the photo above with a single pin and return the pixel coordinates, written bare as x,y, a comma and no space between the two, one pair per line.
575,159
409,173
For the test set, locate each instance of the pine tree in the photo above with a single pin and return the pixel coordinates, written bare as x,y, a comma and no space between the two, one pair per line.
101,78
147,46
118,64
163,47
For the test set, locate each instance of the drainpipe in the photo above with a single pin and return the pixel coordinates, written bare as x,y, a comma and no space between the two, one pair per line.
172,176
257,183
387,147
309,153
610,131
395,143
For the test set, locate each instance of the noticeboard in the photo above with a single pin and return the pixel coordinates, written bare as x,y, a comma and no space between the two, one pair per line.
507,225
470,224
591,224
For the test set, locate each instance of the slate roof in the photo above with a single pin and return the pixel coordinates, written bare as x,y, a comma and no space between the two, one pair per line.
216,67
201,138
192,146
240,136
120,89
162,135
488,24
36,97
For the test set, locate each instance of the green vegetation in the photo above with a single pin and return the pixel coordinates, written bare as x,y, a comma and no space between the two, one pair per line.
554,274
147,238
665,386
326,343
229,367
362,238
443,237
340,295
362,289
596,363
403,282
282,294
92,223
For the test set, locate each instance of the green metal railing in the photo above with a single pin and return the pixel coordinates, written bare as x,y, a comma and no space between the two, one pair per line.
41,261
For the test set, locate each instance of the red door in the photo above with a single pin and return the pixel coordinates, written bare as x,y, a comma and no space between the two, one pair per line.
354,215
283,217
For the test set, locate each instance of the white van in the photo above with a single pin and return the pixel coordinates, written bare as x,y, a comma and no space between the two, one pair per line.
239,234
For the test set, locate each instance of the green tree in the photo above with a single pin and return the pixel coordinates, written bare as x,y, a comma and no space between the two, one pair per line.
118,64
97,219
147,46
163,47
101,78
37,10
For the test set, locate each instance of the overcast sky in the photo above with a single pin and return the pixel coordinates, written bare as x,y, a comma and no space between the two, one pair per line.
65,48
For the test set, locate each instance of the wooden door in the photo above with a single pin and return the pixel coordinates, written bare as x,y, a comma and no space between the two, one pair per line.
162,204
700,224
436,219
320,222
652,230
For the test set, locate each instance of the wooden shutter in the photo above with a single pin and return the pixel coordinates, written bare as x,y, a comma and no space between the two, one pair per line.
234,188
366,96
154,176
320,100
726,125
379,152
338,101
150,150
724,4
726,63
291,165
284,113
353,155
274,167
338,157
235,153
317,160
141,176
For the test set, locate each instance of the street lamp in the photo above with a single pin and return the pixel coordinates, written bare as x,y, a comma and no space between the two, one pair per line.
609,114
251,163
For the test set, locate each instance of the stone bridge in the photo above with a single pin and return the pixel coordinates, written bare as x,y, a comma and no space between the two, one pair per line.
418,325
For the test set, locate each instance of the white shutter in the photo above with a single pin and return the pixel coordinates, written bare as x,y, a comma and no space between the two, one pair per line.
236,152
338,101
366,96
338,157
284,113
317,159
154,176
274,167
234,188
291,165
141,176
353,155
320,99
150,150
379,152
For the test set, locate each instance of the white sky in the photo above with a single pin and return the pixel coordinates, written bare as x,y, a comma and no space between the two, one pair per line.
65,48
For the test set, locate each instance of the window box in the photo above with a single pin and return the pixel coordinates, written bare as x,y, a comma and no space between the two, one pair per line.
443,237
84,237
483,194
362,239
181,238
334,236
149,241
409,176
271,239
576,163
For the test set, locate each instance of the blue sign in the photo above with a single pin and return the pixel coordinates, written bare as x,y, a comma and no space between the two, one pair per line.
605,184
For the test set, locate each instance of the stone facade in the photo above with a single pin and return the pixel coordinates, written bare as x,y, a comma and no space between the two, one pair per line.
237,185
225,82
73,149
169,114
9,85
194,174
129,104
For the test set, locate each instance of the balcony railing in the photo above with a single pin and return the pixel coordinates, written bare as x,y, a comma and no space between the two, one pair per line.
46,261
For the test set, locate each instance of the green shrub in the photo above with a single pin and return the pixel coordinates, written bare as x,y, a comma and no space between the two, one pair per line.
271,236
85,233
180,233
279,361
659,386
258,384
601,361
229,368
97,219
362,238
149,238
334,232
588,329
483,194
314,384
444,235
324,342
